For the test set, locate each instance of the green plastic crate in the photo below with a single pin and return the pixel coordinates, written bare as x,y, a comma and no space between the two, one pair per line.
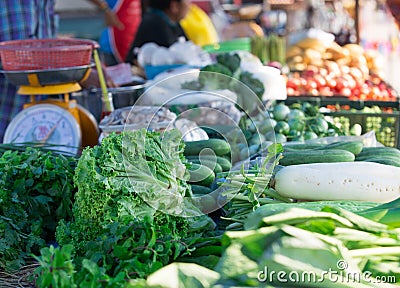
385,125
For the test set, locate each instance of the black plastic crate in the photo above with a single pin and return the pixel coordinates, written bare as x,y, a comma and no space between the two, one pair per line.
385,125
323,101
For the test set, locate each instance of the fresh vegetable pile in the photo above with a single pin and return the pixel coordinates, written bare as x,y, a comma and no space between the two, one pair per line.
36,191
330,247
139,215
131,205
226,73
283,123
270,49
348,71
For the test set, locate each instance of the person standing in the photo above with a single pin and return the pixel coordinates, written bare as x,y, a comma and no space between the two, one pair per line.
122,18
160,24
22,19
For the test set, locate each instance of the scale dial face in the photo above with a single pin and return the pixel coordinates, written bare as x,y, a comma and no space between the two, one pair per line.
47,124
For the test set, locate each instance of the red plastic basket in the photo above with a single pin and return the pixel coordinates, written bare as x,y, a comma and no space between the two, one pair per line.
44,54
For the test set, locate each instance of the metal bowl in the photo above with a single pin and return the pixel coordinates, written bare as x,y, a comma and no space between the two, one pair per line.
46,77
124,96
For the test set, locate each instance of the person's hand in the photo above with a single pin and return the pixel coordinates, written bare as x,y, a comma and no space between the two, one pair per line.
112,20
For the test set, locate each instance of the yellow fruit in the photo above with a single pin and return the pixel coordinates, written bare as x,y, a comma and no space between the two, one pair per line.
311,43
354,49
293,51
336,51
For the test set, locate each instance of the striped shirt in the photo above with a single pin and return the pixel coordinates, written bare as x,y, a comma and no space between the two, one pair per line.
21,19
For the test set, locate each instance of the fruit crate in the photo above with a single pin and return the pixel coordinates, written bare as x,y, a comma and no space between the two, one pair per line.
322,101
385,124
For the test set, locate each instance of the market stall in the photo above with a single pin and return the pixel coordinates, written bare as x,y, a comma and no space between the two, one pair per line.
225,167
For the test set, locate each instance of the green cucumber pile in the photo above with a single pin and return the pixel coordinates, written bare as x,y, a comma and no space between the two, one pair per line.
206,158
338,171
321,153
383,155
283,123
343,151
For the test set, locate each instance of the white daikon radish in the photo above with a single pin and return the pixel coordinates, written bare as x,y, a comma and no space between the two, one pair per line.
355,181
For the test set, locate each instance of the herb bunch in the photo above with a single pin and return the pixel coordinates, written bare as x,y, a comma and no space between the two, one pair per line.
36,191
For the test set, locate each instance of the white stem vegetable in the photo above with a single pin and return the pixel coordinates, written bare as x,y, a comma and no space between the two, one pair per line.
356,181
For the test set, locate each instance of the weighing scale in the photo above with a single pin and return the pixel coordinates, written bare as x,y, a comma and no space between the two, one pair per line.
61,123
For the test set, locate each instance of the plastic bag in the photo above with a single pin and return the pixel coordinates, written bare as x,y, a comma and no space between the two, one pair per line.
198,27
368,139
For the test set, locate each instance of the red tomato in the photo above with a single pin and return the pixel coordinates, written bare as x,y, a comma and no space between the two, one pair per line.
314,92
341,83
296,81
346,91
331,83
385,95
376,92
303,81
323,72
320,80
325,91
291,83
290,91
311,84
356,92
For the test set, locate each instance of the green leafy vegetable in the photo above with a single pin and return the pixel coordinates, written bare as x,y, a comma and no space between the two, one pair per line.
36,191
253,83
130,214
214,77
229,60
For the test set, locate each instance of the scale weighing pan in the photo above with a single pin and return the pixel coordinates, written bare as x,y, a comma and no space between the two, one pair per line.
45,77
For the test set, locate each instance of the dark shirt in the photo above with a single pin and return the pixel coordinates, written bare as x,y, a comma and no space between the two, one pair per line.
158,28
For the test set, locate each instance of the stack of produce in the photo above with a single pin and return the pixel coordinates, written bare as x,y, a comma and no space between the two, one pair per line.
348,71
283,123
128,217
315,172
269,49
339,171
36,191
206,158
226,73
382,120
316,244
131,211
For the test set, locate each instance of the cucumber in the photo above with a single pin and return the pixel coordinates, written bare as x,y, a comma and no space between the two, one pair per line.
225,164
219,146
302,146
354,147
213,165
201,175
360,157
388,160
316,156
200,190
379,151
